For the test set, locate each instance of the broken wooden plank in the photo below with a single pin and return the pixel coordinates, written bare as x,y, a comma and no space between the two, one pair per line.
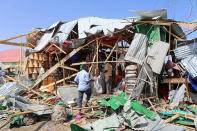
172,118
77,108
48,48
59,81
68,68
92,63
60,49
188,127
85,63
57,65
119,51
152,105
153,22
117,48
97,51
188,116
15,44
112,51
95,55
18,36
174,80
27,112
28,88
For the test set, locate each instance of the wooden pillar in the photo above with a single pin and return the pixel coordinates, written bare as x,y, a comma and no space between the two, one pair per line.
117,48
156,85
64,76
122,45
169,85
97,52
20,56
170,30
112,50
187,89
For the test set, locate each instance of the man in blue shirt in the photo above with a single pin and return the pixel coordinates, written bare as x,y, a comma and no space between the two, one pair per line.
82,80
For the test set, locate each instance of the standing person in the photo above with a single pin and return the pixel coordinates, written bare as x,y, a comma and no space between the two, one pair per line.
108,77
82,79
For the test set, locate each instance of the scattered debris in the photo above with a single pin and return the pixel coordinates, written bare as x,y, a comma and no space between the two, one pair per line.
59,114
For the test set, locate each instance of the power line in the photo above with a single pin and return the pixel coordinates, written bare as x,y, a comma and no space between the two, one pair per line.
190,12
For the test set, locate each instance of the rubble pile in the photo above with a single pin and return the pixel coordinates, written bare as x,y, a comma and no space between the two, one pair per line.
59,114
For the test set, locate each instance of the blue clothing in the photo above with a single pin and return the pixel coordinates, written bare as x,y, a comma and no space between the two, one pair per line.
82,78
192,81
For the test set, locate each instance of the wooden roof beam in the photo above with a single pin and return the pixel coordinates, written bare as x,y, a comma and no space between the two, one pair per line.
15,44
18,36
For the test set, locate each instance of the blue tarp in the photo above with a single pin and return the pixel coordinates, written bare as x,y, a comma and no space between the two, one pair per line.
192,81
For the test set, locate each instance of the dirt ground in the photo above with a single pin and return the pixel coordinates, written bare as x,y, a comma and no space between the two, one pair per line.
47,125
40,126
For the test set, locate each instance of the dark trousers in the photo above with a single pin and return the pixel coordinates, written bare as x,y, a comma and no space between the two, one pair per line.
80,99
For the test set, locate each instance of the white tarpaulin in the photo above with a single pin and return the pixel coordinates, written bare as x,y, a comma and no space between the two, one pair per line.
87,25
162,13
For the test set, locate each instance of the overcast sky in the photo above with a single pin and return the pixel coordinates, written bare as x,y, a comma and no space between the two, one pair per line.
21,16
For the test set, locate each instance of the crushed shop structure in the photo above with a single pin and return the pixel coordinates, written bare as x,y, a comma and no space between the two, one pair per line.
153,80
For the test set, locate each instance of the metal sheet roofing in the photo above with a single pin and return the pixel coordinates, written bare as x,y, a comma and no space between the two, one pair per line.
87,25
137,50
185,51
156,56
190,65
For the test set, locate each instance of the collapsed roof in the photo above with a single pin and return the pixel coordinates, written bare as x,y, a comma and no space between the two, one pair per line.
82,28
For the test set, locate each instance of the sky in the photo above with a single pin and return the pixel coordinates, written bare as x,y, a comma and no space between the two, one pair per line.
22,16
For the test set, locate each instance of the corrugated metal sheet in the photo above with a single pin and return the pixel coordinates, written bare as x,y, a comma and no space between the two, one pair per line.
137,50
156,56
27,107
152,14
176,29
188,25
190,65
51,27
185,42
12,88
185,51
43,42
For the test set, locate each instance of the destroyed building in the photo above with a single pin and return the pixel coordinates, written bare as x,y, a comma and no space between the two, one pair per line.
149,55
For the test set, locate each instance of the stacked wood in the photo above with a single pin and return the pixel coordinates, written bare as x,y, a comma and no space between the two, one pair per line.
34,63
